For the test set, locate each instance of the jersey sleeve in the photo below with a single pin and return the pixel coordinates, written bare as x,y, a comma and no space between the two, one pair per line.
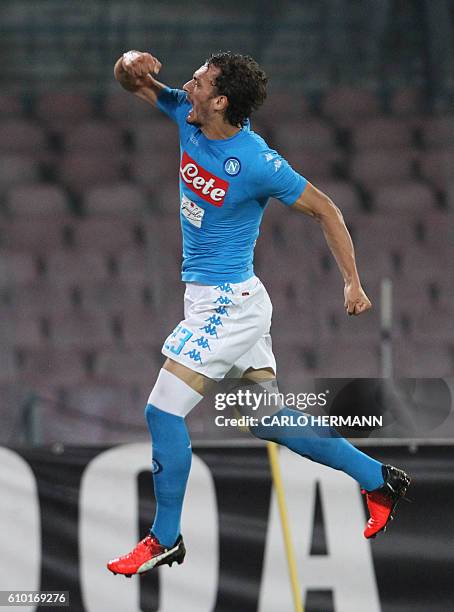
277,179
174,104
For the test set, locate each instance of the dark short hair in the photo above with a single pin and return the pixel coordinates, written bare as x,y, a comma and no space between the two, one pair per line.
242,81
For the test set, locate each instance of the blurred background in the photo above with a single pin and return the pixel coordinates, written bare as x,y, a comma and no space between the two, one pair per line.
360,102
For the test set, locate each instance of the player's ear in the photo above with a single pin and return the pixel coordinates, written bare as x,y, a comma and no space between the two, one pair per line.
222,103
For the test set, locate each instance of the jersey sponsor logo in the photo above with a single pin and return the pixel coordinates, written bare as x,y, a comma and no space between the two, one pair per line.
232,166
192,212
207,186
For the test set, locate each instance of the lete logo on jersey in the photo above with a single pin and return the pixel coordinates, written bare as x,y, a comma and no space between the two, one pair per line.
207,186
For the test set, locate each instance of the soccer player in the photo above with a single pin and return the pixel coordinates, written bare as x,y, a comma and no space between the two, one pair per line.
227,175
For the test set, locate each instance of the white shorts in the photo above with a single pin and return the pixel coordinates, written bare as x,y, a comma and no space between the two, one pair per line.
225,331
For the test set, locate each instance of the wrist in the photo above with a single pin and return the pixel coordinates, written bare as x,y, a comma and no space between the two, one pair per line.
352,280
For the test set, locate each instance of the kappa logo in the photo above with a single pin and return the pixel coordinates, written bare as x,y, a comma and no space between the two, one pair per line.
207,186
232,166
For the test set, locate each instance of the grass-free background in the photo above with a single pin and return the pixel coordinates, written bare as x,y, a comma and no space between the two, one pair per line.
360,100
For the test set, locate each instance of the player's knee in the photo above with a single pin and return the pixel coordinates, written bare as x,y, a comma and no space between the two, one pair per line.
171,395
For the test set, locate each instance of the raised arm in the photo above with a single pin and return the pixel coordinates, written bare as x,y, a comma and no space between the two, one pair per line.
135,72
319,206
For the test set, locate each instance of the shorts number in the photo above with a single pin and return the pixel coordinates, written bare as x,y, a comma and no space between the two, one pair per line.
181,335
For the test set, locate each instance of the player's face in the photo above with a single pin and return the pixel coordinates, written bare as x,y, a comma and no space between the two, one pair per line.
201,92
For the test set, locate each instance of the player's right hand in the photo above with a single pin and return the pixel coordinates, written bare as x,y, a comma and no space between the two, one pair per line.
138,64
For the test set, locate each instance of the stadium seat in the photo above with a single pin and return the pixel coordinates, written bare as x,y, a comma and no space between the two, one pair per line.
348,358
25,331
334,323
115,410
375,168
409,198
165,239
126,110
312,135
10,105
435,230
383,233
165,197
344,195
272,261
78,171
295,363
154,136
435,324
45,234
437,166
69,423
438,132
22,136
292,322
38,200
423,359
62,108
39,298
115,200
14,397
438,288
16,267
8,369
16,169
141,329
316,166
115,297
408,102
292,232
347,105
93,136
136,266
293,106
153,169
73,268
131,367
78,329
381,133
46,368
421,264
107,235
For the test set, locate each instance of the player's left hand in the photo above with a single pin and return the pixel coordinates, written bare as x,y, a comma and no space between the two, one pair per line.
355,299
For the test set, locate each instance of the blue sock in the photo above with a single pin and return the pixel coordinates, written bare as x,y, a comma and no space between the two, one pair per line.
172,456
324,445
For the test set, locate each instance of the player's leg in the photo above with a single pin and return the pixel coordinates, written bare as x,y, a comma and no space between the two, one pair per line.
176,392
321,444
383,485
221,322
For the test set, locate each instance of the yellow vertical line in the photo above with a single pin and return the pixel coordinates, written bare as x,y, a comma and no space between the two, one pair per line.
290,552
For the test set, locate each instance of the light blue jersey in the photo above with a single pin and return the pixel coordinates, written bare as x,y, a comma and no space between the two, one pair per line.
224,189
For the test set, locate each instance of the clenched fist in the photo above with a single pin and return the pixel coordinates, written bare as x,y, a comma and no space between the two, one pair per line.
139,65
355,299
